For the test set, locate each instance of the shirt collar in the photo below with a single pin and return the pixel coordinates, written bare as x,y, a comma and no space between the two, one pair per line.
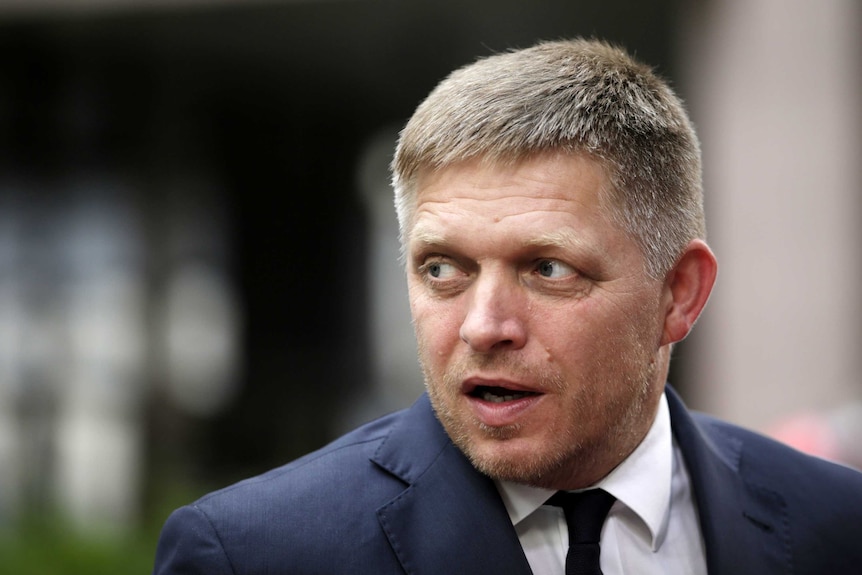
642,482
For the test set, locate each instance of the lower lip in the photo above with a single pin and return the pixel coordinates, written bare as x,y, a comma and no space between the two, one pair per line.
500,414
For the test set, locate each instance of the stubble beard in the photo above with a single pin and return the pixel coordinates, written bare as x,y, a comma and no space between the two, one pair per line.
575,451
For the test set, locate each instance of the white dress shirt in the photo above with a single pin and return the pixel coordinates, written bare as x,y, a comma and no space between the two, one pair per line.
652,528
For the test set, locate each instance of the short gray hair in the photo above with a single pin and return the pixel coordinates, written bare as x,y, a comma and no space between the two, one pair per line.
583,96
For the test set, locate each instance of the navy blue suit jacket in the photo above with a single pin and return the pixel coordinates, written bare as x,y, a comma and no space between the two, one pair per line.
396,496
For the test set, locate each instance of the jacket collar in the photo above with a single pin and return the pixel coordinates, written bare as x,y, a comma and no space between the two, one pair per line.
744,525
450,518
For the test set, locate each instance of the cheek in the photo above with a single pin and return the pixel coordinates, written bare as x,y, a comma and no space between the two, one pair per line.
574,330
436,326
590,339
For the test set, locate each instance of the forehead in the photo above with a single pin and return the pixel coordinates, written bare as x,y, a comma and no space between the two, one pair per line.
546,206
548,186
549,175
549,203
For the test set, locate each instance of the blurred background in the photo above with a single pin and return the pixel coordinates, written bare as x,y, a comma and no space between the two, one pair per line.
198,254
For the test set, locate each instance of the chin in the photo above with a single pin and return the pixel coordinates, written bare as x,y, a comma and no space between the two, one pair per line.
519,460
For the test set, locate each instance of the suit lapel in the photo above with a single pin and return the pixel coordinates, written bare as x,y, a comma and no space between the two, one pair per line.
744,526
450,518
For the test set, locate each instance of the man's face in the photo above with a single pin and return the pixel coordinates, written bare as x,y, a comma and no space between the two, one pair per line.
539,331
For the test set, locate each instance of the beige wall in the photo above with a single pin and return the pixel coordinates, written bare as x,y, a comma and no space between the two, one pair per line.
775,87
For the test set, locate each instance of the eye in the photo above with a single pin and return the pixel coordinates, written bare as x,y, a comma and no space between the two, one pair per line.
554,269
439,270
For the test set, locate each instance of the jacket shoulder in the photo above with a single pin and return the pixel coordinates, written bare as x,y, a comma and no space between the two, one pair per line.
825,496
761,457
329,472
294,515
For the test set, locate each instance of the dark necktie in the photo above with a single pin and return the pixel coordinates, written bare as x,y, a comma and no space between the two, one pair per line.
585,514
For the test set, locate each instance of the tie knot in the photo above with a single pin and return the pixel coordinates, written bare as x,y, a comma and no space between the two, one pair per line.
585,513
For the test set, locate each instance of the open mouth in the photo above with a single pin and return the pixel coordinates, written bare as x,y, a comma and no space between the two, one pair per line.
495,394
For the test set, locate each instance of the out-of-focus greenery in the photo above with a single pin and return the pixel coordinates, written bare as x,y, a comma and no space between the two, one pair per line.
47,544
48,547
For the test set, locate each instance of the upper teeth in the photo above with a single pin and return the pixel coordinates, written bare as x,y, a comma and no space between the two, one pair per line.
488,396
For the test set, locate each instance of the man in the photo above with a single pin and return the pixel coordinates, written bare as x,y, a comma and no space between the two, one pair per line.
551,217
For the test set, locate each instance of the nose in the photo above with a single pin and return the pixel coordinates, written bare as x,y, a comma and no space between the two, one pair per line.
495,317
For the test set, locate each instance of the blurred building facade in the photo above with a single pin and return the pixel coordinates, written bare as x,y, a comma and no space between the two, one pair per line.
776,90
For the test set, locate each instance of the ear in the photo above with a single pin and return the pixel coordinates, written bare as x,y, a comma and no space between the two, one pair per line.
686,289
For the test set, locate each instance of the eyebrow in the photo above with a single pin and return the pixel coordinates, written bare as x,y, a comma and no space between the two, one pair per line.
426,237
564,239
